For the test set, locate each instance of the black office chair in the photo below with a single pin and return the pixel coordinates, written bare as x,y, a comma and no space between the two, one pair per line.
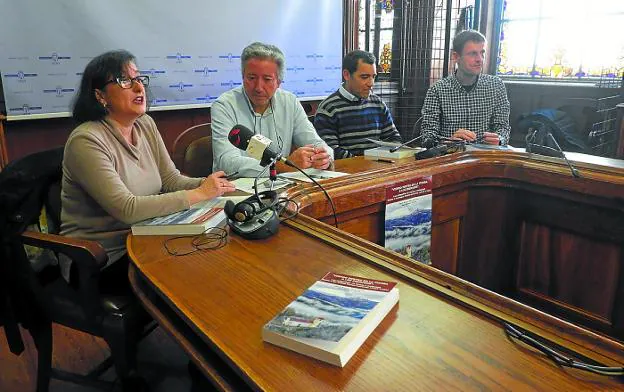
35,293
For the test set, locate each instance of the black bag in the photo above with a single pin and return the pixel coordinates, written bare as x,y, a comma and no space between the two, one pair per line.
560,124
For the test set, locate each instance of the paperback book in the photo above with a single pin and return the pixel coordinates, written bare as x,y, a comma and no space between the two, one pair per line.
196,220
333,317
408,218
384,152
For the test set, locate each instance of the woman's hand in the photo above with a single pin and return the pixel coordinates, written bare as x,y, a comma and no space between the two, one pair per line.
212,186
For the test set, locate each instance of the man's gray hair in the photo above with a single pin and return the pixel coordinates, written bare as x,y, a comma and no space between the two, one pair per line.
264,51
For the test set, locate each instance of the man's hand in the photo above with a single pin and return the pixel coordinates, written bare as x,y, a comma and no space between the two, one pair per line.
491,138
465,134
310,156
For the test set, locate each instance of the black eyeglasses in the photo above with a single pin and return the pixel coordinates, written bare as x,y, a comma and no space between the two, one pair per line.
127,82
559,358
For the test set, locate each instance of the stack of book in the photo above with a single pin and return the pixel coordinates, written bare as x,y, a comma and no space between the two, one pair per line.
333,317
196,220
383,150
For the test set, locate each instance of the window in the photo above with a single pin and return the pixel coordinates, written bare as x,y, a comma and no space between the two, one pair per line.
375,31
562,40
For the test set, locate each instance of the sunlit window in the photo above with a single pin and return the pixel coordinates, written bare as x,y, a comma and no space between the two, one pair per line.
378,33
562,40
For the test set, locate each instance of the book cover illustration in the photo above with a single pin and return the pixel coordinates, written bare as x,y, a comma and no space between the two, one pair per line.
186,217
408,218
330,308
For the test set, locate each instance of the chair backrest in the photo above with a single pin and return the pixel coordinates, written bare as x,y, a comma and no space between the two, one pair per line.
26,185
192,151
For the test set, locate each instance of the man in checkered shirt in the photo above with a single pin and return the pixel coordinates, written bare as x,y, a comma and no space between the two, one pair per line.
467,105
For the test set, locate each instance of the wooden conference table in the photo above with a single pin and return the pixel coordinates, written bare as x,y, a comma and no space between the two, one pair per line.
445,333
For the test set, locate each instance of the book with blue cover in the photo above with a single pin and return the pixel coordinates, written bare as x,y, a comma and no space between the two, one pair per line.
196,220
408,218
333,317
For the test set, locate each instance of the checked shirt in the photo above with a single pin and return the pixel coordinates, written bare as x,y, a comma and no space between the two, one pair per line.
449,106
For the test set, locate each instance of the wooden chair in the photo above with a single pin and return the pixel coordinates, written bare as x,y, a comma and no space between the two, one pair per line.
40,296
192,151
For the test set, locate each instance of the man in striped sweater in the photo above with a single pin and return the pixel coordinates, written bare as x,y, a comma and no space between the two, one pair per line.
353,114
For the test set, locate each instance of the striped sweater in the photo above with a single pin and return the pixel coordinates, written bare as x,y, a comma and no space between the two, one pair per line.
345,121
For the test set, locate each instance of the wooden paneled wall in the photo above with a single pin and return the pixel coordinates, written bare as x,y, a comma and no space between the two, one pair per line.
560,250
29,136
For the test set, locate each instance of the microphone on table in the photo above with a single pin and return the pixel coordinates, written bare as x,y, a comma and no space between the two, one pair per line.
257,216
257,146
435,149
394,149
573,169
532,146
264,150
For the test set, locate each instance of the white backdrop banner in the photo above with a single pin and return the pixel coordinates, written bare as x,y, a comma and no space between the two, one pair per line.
190,49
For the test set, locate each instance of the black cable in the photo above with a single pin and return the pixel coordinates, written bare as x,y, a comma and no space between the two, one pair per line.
281,205
331,202
559,358
212,238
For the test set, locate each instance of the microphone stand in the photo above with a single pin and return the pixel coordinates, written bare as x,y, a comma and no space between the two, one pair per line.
272,175
394,149
574,170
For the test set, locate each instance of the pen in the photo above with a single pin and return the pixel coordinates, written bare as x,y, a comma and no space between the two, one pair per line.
384,160
231,176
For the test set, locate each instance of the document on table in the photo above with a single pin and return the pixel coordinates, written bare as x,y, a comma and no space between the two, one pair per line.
317,174
246,184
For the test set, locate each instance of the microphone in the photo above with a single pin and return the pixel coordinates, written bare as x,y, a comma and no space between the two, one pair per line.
573,169
394,149
533,145
257,146
429,143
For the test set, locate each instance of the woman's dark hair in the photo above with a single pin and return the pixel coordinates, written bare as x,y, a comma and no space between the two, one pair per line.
107,66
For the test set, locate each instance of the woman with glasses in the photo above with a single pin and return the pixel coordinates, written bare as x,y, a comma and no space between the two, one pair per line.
116,170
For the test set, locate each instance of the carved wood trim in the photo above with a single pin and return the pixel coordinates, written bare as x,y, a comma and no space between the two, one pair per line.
485,302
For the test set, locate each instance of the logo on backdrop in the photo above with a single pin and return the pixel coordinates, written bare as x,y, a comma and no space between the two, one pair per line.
294,69
314,80
25,109
230,84
181,86
21,75
205,71
153,73
59,91
229,57
55,58
158,101
178,57
314,56
207,98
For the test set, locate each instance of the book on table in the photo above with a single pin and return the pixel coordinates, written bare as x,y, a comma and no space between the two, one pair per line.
196,220
333,317
384,152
